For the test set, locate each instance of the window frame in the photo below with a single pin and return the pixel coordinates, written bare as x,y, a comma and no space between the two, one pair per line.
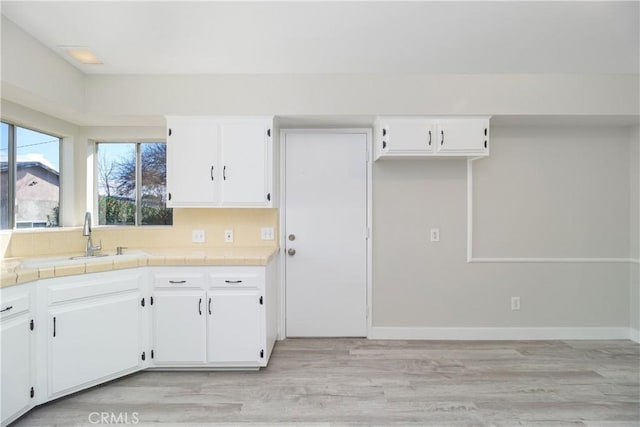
12,173
138,177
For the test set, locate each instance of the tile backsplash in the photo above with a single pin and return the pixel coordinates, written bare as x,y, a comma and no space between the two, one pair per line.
245,223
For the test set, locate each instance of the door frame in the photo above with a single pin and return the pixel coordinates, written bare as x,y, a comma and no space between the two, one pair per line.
367,132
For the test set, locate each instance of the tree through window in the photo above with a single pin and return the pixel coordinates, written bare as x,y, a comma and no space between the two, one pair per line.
132,186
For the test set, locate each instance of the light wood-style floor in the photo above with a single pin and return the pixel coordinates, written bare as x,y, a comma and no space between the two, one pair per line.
357,381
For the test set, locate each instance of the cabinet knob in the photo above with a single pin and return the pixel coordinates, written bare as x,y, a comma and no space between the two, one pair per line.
291,252
292,237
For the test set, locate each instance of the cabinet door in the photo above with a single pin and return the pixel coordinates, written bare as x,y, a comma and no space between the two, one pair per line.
92,340
463,136
234,327
16,365
409,136
245,151
192,171
179,327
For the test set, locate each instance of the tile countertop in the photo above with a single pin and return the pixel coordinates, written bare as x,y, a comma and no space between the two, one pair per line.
13,272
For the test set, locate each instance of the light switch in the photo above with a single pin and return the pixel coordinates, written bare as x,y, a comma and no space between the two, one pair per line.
435,234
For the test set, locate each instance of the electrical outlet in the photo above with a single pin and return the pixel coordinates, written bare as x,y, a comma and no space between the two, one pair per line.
228,236
515,303
435,234
267,233
198,236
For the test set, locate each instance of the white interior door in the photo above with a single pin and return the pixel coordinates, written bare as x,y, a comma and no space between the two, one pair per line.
326,211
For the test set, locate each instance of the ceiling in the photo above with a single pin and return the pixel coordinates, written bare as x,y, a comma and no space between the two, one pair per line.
171,37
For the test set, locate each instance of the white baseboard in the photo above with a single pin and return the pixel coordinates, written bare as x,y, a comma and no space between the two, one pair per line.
420,333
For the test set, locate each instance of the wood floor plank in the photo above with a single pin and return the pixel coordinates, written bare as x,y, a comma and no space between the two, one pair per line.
321,382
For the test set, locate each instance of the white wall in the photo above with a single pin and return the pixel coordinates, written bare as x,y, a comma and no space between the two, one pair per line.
34,76
553,192
362,94
423,284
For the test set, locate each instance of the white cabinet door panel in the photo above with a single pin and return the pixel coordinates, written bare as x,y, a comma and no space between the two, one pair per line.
179,327
91,340
408,136
466,136
234,326
192,171
16,365
244,148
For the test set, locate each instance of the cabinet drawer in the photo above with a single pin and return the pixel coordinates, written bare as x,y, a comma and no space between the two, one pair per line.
235,280
14,305
177,279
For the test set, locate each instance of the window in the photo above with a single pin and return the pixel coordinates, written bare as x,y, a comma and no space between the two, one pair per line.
29,177
132,183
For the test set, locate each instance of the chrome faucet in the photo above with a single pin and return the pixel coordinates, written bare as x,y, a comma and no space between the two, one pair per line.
86,231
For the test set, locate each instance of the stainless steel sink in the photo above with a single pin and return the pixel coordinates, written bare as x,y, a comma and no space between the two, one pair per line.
79,259
85,257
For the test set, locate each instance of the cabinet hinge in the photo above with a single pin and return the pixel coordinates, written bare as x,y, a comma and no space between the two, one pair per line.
269,132
169,131
151,300
261,300
261,354
269,196
31,325
32,392
142,302
144,356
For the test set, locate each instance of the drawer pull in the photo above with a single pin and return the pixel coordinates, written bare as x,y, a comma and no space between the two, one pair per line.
233,281
200,306
177,282
6,309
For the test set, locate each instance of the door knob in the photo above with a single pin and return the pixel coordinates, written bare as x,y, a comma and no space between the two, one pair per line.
292,237
291,252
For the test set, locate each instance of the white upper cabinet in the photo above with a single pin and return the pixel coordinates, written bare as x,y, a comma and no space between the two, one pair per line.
406,136
219,162
431,137
463,136
192,170
246,163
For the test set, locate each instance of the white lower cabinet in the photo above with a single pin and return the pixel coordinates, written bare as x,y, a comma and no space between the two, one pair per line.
16,380
94,330
234,327
62,335
213,317
179,327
